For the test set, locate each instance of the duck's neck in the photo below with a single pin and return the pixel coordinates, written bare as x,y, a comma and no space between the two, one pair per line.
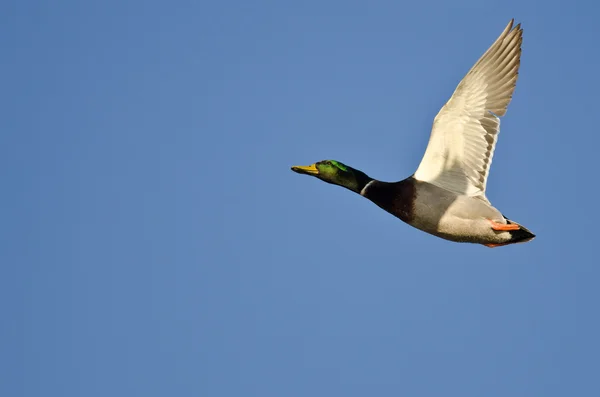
360,182
363,190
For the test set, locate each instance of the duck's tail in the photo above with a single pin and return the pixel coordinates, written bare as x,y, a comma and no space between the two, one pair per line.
522,235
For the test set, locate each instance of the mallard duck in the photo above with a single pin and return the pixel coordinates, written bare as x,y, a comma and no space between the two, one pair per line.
446,195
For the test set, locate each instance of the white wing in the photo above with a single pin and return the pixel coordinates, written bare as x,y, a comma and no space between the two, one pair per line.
464,133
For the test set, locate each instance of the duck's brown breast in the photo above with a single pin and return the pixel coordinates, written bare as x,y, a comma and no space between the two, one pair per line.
397,198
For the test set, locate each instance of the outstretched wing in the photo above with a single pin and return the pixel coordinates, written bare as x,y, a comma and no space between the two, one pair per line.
465,131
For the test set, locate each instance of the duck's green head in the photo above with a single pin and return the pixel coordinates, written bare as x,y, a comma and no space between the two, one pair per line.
336,173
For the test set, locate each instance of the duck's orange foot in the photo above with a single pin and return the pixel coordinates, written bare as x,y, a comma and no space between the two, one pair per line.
502,227
496,245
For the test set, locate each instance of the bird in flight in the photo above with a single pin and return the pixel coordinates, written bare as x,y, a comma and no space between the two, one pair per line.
446,195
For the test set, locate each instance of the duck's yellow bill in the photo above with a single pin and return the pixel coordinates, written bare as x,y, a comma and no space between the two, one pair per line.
309,169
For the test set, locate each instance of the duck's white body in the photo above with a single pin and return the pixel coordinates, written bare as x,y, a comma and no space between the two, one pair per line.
444,213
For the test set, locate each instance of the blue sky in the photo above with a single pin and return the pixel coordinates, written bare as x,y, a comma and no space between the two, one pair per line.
154,241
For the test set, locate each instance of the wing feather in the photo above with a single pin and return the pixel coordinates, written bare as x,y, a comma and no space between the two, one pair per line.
465,131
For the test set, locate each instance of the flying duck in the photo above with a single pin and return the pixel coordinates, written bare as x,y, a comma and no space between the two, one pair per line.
446,195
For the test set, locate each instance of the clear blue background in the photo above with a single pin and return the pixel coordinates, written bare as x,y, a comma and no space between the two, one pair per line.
155,243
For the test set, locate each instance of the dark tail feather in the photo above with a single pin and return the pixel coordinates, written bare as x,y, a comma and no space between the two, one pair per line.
522,235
